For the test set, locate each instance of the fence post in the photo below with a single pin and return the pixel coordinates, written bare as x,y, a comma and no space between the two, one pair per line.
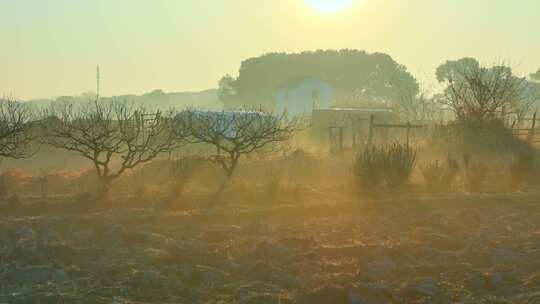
408,132
533,127
370,136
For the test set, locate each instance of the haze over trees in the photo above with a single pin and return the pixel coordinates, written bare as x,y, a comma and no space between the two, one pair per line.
235,182
154,100
356,75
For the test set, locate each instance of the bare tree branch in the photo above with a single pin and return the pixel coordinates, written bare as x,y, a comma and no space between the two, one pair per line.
16,134
480,94
238,133
102,131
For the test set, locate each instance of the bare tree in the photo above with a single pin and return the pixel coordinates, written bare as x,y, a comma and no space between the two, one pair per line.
238,133
15,129
412,99
480,94
108,133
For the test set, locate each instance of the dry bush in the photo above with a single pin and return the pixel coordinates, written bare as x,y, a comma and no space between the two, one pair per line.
368,167
140,189
72,182
510,159
522,167
12,181
475,174
491,139
181,172
272,185
301,166
260,181
391,166
4,188
398,164
515,172
440,178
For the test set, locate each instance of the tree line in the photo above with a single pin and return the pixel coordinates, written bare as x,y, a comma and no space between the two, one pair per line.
376,79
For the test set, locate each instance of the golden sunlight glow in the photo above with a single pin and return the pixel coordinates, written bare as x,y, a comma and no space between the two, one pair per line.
329,6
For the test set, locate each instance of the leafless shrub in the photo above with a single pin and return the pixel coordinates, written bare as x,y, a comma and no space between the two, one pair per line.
440,178
514,172
390,165
522,168
273,183
182,170
491,141
475,174
398,164
368,168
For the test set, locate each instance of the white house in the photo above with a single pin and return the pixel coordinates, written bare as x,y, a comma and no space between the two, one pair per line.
302,95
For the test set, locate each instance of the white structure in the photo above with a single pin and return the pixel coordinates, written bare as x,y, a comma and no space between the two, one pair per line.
302,95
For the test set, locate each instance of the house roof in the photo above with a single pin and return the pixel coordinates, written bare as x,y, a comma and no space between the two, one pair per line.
360,110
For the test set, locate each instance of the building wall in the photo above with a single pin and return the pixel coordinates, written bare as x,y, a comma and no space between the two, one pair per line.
300,99
354,123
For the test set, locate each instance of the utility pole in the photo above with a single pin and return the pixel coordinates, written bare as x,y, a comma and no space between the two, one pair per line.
98,78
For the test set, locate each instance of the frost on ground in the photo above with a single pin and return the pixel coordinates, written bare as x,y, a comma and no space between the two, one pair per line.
466,249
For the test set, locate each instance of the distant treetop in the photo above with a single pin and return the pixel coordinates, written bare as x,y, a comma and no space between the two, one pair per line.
536,75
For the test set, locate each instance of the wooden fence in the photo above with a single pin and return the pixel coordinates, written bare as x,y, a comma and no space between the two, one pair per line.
407,126
531,134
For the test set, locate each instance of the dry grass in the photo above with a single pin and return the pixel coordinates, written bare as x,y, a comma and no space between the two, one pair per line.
319,246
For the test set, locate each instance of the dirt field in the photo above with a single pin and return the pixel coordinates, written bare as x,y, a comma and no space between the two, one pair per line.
326,249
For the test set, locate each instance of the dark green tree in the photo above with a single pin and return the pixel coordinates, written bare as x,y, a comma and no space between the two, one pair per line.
536,75
355,75
455,69
226,91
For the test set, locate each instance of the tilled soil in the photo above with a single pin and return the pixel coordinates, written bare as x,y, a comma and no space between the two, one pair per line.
454,249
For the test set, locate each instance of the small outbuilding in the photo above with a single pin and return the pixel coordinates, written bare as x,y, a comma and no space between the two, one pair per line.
301,95
345,127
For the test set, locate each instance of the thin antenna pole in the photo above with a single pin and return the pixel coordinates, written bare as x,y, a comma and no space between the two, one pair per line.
98,76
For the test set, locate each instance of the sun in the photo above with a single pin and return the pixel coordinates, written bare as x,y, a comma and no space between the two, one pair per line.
329,6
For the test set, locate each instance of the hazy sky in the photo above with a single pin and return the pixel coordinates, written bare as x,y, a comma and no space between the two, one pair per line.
52,47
